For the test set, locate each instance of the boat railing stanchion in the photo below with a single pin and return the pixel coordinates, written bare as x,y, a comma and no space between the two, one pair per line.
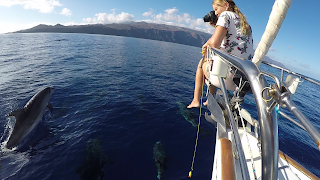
221,69
242,158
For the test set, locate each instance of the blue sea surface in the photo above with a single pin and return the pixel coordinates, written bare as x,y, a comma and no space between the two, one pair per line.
119,95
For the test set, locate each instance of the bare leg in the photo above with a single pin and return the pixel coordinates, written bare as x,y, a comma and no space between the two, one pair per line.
212,89
197,87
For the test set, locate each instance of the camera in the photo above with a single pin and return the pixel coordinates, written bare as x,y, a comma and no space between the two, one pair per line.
211,16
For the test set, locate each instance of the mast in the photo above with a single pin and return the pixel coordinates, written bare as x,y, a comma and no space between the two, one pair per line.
277,15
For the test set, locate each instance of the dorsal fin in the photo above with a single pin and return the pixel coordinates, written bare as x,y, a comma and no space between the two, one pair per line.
16,113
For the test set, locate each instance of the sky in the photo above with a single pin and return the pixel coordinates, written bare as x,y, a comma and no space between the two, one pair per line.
295,45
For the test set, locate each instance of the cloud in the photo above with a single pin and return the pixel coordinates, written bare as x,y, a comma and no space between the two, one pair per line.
66,12
171,11
149,13
72,23
174,17
104,18
170,16
289,47
44,6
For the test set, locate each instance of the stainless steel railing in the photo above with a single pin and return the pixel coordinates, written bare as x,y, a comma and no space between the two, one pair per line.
283,99
243,163
268,120
280,95
291,72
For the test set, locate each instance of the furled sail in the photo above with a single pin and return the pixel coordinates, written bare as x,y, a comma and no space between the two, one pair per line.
277,15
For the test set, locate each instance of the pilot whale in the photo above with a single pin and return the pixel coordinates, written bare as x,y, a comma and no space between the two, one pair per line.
28,117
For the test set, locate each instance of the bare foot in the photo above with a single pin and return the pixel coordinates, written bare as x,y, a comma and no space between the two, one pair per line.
193,105
205,103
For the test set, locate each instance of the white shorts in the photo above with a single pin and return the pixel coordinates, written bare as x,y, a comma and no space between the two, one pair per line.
214,80
228,82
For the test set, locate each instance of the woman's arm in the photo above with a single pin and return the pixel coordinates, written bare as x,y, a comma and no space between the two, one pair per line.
217,37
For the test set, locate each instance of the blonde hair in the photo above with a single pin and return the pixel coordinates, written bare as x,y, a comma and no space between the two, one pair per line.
245,27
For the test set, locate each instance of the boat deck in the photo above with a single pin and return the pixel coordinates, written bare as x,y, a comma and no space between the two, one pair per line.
285,168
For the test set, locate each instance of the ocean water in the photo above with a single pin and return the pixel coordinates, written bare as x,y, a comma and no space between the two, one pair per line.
114,98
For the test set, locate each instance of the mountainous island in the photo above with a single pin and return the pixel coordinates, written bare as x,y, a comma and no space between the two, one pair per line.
143,30
160,32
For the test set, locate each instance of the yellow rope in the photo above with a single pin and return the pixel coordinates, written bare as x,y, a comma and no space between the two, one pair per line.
195,147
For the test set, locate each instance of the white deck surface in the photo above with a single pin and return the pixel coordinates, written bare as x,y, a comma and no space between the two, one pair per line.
285,170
